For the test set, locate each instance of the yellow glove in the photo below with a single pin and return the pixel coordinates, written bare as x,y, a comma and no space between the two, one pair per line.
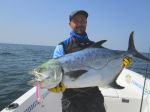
60,88
127,61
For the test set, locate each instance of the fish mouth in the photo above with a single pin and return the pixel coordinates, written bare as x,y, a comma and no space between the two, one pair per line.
45,82
38,76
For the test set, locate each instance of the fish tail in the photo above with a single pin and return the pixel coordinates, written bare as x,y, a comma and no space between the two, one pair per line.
132,50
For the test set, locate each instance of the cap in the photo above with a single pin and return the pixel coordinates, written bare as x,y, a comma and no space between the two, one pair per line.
78,12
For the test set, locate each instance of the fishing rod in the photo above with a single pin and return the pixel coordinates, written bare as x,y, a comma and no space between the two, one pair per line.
144,81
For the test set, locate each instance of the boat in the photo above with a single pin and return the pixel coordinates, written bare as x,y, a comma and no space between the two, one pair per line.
132,98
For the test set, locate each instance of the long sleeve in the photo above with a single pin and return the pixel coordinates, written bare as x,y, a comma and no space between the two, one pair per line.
59,51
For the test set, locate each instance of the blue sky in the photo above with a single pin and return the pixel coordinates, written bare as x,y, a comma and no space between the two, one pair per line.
45,22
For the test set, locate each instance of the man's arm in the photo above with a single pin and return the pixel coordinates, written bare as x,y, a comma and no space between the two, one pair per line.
59,51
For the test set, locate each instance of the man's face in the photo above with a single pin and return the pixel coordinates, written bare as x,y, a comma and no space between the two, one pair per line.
78,24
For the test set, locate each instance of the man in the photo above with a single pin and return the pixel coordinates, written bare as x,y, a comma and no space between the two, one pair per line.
87,99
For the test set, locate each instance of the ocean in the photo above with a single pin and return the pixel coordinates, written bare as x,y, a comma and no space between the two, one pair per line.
17,62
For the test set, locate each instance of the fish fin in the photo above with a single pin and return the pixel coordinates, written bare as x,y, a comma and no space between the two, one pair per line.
75,74
98,44
132,50
116,86
114,83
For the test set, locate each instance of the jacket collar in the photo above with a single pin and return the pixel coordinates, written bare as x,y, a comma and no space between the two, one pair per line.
79,38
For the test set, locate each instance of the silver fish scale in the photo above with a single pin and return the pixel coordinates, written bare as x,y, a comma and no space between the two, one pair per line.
94,58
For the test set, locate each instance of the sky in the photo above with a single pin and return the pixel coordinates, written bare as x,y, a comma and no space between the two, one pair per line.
46,22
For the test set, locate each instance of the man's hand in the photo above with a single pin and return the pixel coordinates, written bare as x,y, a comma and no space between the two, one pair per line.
127,61
60,88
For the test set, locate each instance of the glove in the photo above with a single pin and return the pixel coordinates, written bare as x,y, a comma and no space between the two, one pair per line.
127,61
60,88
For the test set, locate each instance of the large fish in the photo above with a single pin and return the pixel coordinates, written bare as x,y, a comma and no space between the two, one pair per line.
93,66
